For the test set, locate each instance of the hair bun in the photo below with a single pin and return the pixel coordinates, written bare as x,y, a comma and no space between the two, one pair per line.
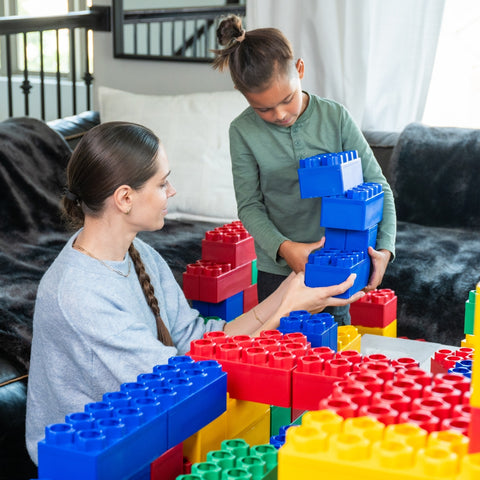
229,29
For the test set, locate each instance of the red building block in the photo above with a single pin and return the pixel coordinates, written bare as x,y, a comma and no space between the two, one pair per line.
250,297
169,465
474,431
314,378
229,244
215,282
377,309
255,371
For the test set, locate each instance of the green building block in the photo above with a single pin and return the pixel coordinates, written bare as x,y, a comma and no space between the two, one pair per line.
237,461
254,272
470,313
279,416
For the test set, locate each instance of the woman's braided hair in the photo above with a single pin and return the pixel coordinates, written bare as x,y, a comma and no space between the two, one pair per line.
108,156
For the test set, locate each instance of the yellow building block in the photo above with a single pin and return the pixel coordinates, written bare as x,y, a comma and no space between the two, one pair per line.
468,341
388,331
257,433
210,437
364,449
241,418
348,338
242,415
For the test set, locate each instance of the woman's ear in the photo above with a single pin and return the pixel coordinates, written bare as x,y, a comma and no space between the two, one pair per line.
122,198
300,66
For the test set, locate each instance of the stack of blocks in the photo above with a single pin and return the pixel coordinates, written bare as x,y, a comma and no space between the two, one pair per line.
376,313
351,211
124,434
223,283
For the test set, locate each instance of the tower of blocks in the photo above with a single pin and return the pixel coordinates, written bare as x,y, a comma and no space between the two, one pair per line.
223,283
351,211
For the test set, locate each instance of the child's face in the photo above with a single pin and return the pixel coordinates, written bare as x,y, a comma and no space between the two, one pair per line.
283,101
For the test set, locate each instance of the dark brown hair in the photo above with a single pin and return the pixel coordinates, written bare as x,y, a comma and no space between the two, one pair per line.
253,57
108,156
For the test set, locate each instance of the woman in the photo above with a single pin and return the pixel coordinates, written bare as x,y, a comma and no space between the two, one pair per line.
109,308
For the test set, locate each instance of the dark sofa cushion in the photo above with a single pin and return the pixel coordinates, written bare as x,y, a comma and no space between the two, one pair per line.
435,176
433,272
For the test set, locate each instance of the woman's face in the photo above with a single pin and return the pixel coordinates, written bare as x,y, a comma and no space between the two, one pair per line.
150,201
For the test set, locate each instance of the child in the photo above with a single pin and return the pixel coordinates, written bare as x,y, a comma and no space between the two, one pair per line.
109,308
283,125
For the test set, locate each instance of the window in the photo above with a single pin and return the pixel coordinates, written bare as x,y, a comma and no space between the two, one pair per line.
454,93
47,42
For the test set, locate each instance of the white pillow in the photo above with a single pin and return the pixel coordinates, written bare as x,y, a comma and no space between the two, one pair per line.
194,130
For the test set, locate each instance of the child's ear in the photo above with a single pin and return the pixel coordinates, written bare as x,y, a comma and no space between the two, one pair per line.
300,66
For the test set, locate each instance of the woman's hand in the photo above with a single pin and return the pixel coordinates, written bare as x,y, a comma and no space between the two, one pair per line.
314,299
296,253
380,259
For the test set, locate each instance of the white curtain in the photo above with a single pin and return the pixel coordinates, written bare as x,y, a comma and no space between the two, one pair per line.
374,56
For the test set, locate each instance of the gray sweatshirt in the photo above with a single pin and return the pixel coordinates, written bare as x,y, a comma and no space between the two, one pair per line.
93,330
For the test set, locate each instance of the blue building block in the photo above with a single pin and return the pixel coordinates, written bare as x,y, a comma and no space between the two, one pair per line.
120,436
329,174
358,209
203,400
351,240
227,309
463,367
320,329
331,267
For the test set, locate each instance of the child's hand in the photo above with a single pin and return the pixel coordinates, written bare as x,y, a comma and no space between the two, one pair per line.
296,253
380,259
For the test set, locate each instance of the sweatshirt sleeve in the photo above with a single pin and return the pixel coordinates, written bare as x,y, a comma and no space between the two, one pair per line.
248,193
353,139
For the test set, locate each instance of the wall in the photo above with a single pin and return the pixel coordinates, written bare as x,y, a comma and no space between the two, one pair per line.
151,77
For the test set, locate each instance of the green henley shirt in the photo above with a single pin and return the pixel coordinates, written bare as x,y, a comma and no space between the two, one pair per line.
265,158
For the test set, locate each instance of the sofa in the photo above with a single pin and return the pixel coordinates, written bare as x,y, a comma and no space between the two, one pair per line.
433,173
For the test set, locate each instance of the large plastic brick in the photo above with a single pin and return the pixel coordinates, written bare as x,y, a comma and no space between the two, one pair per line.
229,244
243,414
331,267
319,328
360,450
250,297
119,436
214,282
470,312
210,437
236,459
259,370
474,430
348,338
351,240
279,416
389,331
377,309
169,465
203,397
227,309
316,375
257,433
329,174
359,209
118,447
